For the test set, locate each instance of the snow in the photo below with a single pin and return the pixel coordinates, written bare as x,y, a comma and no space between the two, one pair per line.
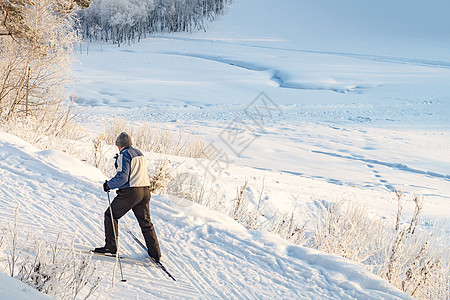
210,255
13,289
312,47
361,107
71,165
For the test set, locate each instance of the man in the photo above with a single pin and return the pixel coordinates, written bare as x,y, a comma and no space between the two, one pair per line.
133,193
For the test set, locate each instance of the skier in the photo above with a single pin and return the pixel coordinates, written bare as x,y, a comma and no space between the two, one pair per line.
132,184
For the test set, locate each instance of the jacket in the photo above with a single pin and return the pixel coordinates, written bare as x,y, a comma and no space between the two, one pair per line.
131,170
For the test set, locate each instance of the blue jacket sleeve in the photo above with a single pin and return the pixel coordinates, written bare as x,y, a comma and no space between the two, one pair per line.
121,180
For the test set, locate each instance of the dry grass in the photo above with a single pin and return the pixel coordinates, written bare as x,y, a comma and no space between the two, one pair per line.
47,130
149,138
342,229
161,177
416,262
409,257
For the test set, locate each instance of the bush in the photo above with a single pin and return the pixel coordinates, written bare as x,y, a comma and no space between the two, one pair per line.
407,256
36,53
416,262
35,59
345,229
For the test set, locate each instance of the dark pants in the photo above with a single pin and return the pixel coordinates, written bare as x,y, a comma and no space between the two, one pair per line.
137,199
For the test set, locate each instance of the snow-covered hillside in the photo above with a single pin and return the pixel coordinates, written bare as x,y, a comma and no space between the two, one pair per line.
210,255
355,105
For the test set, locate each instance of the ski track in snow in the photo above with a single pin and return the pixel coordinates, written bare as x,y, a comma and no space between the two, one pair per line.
396,166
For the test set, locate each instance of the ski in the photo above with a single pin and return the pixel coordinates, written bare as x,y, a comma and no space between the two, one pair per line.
158,264
106,254
124,258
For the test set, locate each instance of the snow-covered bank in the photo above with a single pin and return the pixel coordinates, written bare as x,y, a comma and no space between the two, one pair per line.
210,255
13,289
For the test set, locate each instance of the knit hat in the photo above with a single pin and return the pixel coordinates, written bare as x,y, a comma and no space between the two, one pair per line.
123,140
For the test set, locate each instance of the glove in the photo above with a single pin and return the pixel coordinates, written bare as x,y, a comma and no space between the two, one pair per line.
106,187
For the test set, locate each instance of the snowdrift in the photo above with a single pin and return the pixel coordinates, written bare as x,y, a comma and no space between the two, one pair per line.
13,289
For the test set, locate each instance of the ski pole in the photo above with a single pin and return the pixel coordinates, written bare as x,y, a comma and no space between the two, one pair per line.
116,238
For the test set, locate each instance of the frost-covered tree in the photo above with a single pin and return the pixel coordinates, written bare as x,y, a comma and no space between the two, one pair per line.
13,13
36,50
13,19
129,20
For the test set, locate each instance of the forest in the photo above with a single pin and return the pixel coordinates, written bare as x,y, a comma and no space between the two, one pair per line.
120,21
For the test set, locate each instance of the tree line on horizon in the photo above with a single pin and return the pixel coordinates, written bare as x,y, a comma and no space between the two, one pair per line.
120,21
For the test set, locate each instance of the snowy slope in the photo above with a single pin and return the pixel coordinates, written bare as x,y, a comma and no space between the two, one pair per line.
363,90
210,255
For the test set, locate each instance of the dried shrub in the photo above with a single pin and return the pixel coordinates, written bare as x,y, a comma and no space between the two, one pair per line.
149,138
